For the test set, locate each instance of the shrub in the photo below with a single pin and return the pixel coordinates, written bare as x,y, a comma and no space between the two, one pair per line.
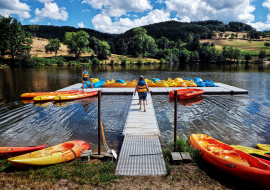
95,61
60,61
72,63
123,61
131,62
162,61
112,61
139,62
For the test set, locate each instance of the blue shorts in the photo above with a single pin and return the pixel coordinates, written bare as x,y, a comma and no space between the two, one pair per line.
142,95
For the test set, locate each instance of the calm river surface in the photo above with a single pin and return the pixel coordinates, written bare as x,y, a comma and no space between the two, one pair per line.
241,119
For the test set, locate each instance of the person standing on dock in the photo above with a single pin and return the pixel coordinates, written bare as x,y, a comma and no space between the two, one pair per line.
142,89
84,78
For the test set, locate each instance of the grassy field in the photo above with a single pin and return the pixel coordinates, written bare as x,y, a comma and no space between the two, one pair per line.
38,49
253,47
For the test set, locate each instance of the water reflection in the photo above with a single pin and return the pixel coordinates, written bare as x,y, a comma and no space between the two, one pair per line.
232,119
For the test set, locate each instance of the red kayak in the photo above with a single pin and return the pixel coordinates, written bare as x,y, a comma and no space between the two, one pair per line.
187,93
7,152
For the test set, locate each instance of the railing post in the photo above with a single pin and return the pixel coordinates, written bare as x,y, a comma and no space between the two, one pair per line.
175,118
99,120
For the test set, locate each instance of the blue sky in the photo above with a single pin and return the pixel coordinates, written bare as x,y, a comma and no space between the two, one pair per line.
117,16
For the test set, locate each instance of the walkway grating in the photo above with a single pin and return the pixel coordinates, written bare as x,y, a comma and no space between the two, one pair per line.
141,155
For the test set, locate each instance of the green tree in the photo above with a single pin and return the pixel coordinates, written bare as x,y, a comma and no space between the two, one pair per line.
267,44
250,39
248,57
77,42
236,35
100,48
226,35
15,42
141,44
34,29
244,36
53,46
220,34
262,54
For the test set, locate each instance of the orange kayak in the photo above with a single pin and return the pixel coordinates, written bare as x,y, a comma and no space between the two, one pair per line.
34,94
75,96
187,93
231,160
7,152
56,154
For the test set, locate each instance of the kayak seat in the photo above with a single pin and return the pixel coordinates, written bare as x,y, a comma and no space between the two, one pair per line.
213,147
233,156
203,142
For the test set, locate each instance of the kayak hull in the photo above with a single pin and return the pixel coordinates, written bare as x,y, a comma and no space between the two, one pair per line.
34,94
75,96
45,98
53,155
185,94
265,147
230,160
7,152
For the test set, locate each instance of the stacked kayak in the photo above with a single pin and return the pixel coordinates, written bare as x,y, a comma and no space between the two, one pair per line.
56,154
119,84
34,94
264,147
260,154
7,152
187,93
75,96
50,97
231,160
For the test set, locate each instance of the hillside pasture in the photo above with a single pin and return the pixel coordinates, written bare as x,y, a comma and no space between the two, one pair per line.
253,47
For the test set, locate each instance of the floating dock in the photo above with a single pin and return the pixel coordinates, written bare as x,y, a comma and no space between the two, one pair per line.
221,89
141,152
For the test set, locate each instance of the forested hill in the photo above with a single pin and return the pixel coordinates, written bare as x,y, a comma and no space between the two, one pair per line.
173,30
49,31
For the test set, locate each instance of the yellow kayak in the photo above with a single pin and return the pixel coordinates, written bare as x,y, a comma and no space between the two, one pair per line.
252,151
50,97
265,147
56,154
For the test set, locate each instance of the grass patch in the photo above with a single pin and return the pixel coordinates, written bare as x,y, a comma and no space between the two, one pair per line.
76,172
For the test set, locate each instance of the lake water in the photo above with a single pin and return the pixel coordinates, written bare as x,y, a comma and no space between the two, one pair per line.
238,119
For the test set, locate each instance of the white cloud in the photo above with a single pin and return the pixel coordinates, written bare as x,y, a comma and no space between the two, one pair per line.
85,10
81,25
14,7
103,22
117,8
225,10
185,19
260,25
266,4
51,11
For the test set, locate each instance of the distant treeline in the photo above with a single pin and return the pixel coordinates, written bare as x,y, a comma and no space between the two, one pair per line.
52,32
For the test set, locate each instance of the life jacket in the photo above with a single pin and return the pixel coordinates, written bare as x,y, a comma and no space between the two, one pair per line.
91,80
85,74
142,86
